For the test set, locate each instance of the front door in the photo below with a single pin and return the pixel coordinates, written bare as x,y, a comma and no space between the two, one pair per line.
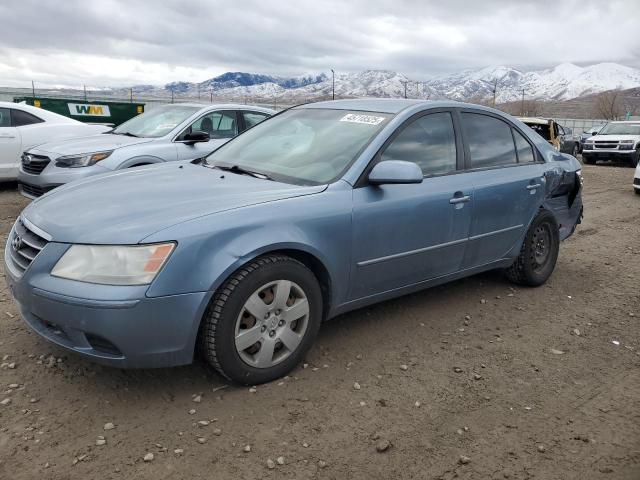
405,234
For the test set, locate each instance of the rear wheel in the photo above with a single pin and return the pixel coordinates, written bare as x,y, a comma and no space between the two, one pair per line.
262,321
574,150
539,252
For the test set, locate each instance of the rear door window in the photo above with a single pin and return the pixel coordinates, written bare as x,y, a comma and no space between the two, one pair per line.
5,117
253,118
20,118
489,139
429,142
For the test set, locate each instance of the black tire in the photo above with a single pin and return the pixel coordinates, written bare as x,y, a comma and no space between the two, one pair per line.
588,160
536,261
634,159
217,332
575,150
637,190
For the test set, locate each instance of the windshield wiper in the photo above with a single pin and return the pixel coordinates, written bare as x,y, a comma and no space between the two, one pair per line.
243,171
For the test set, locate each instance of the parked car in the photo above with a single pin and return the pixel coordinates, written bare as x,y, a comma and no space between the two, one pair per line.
322,209
23,127
166,133
616,141
561,138
588,134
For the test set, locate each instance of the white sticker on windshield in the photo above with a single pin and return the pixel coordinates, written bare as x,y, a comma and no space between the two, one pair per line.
166,126
356,118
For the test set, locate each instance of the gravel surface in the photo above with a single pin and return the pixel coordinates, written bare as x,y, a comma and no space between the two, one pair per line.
476,379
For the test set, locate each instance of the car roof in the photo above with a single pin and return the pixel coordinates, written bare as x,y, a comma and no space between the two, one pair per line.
538,120
46,115
383,105
229,106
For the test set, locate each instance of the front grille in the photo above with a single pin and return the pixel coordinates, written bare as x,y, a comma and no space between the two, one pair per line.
34,164
608,144
34,190
23,246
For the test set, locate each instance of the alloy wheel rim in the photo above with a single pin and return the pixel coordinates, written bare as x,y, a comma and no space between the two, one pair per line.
271,324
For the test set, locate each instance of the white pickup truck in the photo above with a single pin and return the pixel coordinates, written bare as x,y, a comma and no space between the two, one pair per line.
616,141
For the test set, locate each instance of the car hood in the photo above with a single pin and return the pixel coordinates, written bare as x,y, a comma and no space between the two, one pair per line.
125,207
93,143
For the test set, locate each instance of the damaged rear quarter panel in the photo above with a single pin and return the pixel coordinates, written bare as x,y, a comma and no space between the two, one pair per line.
563,191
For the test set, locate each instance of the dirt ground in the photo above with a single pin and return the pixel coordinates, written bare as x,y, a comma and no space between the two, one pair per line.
523,383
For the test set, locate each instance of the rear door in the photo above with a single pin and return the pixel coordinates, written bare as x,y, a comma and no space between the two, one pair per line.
405,234
508,181
10,146
221,125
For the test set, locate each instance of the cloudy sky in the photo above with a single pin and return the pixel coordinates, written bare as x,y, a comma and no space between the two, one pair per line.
125,42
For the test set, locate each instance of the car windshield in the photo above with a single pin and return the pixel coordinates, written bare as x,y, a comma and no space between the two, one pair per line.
541,129
157,122
620,129
309,146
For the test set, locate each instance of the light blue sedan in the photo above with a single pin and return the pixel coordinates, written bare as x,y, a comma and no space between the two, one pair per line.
319,210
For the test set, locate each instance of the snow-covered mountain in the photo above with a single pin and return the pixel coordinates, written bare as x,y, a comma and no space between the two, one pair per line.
563,82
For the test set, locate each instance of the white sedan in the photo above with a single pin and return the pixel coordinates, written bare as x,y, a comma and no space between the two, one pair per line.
23,126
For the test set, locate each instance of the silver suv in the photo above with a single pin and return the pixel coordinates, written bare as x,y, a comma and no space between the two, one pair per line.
166,133
616,141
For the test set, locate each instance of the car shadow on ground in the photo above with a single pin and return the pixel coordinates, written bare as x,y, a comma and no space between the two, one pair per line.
8,186
199,377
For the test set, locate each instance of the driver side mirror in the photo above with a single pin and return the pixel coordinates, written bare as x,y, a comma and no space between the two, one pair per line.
196,137
395,172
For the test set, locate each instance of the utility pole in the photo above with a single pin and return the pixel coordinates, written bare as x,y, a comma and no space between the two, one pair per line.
333,84
85,92
171,94
495,89
33,90
131,95
404,82
211,100
522,107
198,91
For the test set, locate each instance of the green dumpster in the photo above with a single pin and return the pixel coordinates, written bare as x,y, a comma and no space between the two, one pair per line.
90,111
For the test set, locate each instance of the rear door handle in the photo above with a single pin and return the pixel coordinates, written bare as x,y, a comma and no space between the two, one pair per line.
463,199
534,186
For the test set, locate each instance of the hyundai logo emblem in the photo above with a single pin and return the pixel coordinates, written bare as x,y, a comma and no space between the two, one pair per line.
16,243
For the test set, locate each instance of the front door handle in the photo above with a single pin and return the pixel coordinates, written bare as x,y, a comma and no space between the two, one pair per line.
533,186
6,135
463,199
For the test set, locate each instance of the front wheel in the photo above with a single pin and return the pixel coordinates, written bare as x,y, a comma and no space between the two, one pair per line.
634,159
539,252
262,321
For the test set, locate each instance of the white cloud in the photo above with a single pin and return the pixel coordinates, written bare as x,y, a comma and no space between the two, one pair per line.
124,42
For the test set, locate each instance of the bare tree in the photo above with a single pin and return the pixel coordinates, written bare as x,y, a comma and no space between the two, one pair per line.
609,105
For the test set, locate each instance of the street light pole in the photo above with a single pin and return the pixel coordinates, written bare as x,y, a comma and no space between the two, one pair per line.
333,84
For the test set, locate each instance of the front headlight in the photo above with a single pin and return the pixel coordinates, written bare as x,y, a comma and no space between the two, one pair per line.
82,159
113,264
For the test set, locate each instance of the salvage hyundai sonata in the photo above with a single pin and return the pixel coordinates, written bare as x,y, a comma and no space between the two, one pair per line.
321,209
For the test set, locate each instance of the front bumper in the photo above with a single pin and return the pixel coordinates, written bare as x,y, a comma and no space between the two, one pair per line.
35,185
602,154
112,325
